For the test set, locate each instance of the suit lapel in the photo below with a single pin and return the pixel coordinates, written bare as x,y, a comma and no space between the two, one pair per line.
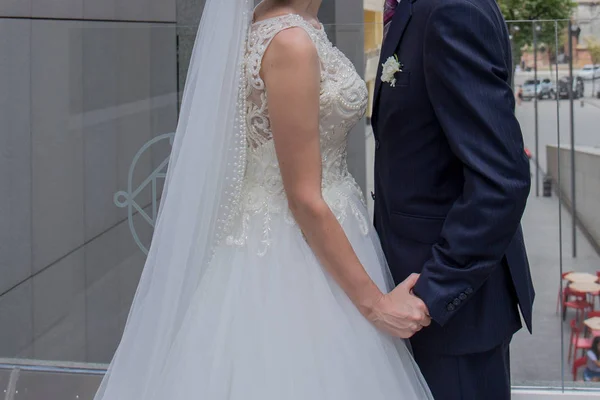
398,26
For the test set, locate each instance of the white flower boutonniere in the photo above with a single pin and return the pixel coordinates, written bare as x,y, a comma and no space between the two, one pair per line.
390,68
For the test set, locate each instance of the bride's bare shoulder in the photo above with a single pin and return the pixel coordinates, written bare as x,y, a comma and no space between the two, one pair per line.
291,45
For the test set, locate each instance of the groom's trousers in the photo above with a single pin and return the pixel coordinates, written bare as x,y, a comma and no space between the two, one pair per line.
467,377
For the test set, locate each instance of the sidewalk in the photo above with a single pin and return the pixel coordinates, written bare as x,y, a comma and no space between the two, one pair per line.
537,357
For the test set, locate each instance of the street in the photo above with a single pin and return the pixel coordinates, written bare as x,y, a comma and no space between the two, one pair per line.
586,122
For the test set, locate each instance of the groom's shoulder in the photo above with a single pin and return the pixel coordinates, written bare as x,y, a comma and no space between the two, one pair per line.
482,6
456,10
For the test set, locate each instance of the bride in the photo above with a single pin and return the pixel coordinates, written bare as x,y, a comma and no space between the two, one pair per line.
265,279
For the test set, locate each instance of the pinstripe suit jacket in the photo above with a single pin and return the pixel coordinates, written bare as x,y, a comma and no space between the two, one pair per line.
451,174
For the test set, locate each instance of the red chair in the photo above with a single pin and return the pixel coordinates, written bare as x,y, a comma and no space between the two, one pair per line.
561,296
595,295
580,362
592,314
577,342
578,302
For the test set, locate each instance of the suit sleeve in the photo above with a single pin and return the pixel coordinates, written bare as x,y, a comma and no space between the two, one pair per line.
467,81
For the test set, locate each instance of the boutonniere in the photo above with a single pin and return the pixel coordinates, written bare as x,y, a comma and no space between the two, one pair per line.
390,68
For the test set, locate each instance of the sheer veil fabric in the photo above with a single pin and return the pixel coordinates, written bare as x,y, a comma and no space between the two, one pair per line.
201,192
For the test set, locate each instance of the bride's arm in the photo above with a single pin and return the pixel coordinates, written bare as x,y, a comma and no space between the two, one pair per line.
291,72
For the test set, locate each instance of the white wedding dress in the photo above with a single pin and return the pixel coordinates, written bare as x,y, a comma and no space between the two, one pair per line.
267,322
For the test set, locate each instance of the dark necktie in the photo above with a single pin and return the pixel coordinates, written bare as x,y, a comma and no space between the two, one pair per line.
388,13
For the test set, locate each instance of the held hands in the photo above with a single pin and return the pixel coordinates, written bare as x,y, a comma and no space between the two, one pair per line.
400,313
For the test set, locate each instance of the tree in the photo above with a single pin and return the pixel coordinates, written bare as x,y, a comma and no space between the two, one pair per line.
528,11
593,46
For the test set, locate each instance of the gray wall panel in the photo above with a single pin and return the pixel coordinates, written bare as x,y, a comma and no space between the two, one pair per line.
66,339
163,10
15,153
15,8
58,212
105,9
133,10
103,327
188,18
55,290
100,97
134,112
113,264
163,90
587,188
16,320
59,310
57,8
130,10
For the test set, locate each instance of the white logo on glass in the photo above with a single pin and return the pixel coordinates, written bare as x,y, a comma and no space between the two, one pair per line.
128,198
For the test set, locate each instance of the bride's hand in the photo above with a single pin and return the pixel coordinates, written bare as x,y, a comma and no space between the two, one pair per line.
400,313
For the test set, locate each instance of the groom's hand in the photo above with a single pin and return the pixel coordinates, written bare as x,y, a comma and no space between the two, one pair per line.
400,313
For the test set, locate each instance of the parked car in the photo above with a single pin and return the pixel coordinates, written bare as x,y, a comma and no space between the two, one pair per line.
543,89
589,72
563,87
547,89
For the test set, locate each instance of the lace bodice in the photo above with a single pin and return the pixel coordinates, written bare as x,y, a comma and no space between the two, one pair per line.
343,102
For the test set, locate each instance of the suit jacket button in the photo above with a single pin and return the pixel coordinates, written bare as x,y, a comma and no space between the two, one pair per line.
469,291
373,195
462,296
450,307
456,302
377,145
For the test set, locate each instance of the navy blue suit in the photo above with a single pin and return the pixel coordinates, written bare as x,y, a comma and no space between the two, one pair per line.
451,184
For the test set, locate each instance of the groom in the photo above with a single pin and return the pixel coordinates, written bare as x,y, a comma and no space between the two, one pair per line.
451,183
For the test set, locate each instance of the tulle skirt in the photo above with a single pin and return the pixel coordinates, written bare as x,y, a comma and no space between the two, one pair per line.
274,326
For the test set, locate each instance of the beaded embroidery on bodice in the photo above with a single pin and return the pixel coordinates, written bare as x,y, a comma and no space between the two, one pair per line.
343,102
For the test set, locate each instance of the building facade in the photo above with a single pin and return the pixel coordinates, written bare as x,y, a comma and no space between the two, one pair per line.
587,15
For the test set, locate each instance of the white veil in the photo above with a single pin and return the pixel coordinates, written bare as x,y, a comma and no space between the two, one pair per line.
202,190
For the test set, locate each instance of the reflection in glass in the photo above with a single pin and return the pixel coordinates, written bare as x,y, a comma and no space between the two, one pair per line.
81,99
